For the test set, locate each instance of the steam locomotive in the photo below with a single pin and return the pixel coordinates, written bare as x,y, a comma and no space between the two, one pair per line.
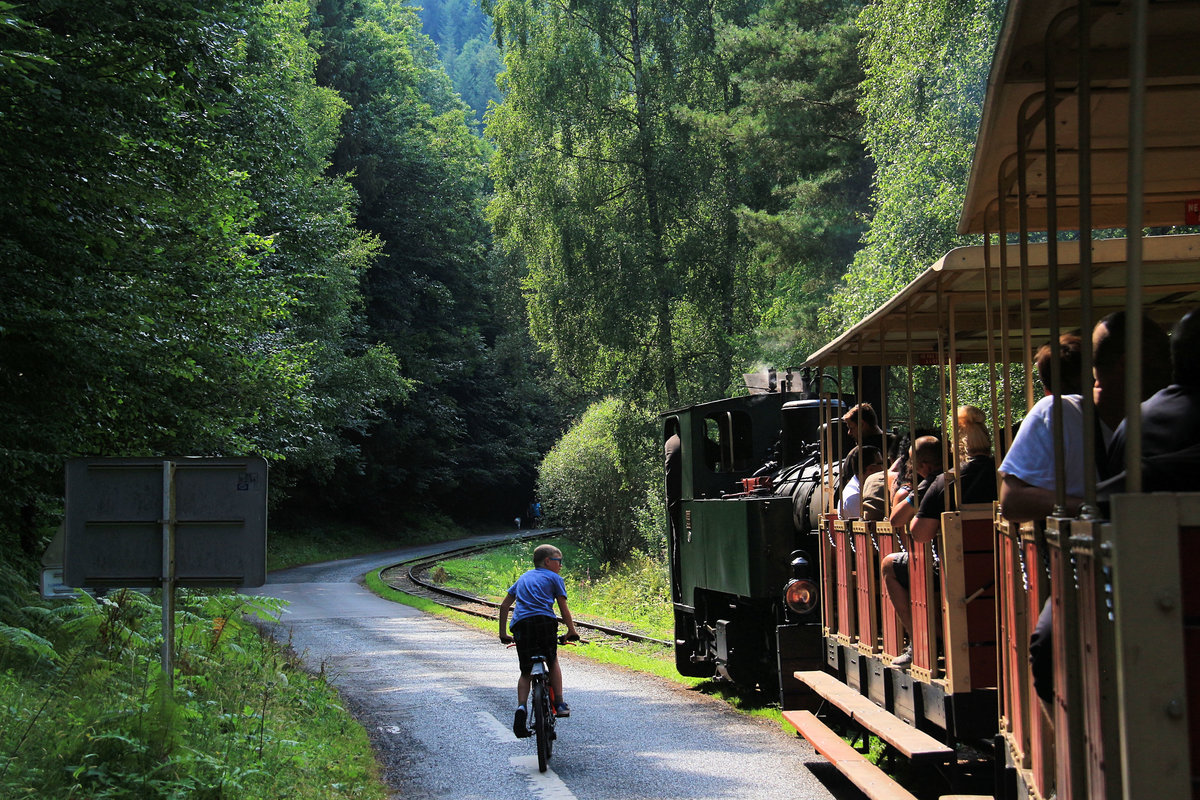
743,531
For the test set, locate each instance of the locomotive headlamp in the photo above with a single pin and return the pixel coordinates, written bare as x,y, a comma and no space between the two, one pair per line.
800,594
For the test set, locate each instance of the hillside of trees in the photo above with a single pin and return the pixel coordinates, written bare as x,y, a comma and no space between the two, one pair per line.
279,228
468,51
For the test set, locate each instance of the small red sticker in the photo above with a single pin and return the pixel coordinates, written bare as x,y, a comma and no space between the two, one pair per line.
1191,212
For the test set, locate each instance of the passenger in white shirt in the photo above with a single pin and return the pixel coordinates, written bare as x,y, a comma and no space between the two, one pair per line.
872,462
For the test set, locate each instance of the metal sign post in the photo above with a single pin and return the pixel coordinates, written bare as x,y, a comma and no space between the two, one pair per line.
138,522
168,572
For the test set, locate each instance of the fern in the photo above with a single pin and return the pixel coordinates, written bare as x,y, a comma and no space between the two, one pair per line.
26,644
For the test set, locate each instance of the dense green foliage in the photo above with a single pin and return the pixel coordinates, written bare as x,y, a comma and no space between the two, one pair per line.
179,274
926,70
463,34
478,421
637,281
86,713
798,130
594,478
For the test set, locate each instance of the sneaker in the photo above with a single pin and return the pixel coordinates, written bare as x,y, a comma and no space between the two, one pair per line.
562,710
904,660
520,729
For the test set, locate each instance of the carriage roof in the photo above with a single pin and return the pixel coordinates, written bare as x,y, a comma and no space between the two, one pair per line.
1016,87
910,321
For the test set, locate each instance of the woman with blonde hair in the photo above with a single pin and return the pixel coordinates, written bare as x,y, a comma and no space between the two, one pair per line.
974,439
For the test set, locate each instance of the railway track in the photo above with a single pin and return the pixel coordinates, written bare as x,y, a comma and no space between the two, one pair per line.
412,577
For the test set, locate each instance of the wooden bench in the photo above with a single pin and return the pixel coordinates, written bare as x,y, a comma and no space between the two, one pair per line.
870,779
918,747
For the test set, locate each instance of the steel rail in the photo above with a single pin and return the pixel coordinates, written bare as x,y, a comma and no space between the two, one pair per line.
416,565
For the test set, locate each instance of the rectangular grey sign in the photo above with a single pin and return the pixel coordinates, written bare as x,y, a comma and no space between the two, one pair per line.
115,518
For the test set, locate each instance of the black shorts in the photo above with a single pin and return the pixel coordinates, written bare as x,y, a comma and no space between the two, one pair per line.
900,568
535,636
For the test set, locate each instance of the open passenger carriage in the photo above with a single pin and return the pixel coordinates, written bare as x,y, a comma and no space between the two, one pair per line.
1092,121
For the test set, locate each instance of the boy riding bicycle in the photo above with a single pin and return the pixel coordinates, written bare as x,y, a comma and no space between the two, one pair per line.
535,627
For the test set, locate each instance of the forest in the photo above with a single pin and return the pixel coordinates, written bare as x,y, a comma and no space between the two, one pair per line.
434,264
446,260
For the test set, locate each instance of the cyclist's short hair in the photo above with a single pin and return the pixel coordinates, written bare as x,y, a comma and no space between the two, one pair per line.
544,551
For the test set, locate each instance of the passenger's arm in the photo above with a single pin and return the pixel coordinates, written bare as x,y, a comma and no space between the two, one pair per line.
904,508
923,530
1022,502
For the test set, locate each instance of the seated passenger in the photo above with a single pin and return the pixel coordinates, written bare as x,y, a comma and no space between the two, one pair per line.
977,481
877,488
872,463
1028,491
1170,421
926,462
874,494
1028,470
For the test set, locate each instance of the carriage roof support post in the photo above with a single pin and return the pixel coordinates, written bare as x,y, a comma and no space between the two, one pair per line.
858,396
834,499
949,370
912,415
1086,312
1050,101
1136,209
1004,423
1023,248
991,344
941,360
883,391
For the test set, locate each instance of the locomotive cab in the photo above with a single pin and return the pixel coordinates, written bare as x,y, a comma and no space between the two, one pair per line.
741,476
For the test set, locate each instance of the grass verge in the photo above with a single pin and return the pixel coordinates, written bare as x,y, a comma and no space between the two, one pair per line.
315,542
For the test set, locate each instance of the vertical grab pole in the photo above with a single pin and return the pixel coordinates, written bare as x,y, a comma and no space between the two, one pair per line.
1052,278
168,573
1023,252
950,369
1136,210
1086,310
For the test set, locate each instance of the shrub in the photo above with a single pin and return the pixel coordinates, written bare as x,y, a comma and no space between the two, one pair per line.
595,477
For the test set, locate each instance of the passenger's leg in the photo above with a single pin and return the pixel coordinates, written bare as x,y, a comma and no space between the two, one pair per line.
897,591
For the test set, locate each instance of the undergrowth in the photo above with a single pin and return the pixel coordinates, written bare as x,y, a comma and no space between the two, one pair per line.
87,712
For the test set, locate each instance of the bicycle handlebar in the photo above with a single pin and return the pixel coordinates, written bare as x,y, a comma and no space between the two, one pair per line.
563,640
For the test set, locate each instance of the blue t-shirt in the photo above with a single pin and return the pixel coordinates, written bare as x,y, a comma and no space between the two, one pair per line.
536,592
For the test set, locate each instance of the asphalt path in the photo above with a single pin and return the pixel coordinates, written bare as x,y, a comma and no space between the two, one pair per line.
437,700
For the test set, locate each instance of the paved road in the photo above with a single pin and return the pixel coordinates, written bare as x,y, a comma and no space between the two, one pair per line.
437,700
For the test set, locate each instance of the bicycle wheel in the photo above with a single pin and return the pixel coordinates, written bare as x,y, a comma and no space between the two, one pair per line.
542,725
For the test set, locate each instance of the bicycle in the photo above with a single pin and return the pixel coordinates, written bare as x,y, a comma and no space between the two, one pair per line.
542,702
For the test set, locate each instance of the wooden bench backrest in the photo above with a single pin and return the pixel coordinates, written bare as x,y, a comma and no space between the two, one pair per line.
867,583
892,634
968,578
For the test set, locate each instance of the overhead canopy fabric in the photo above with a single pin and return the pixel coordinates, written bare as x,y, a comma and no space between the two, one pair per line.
1040,38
